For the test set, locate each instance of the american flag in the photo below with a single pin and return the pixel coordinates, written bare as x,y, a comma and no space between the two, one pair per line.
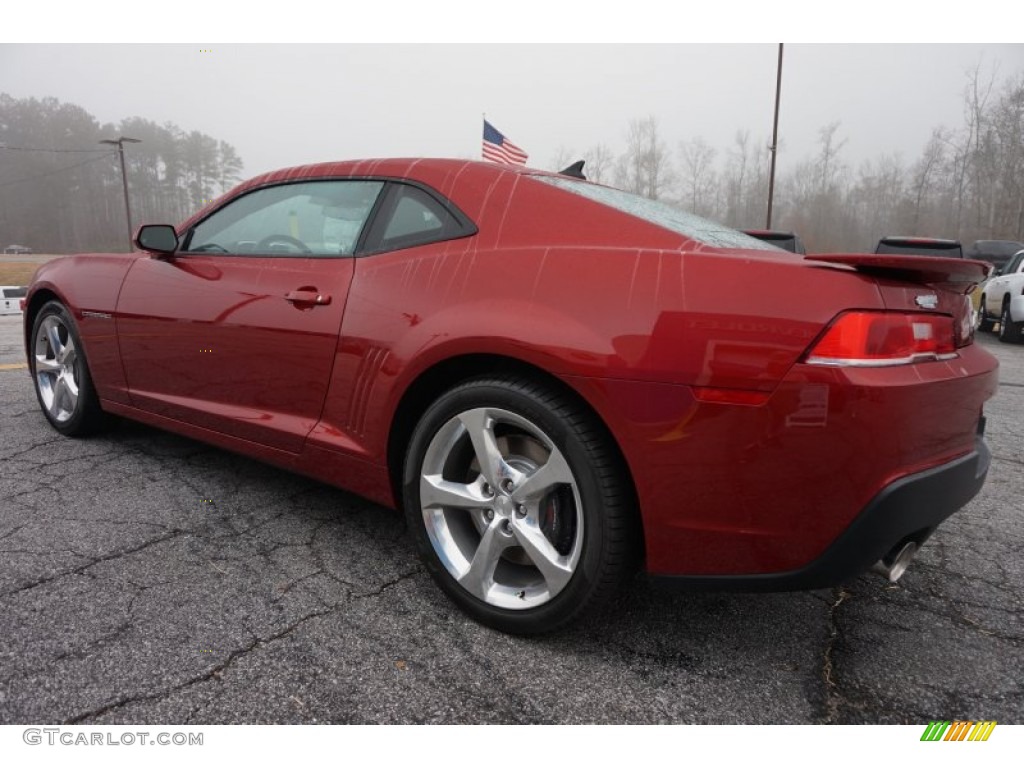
499,149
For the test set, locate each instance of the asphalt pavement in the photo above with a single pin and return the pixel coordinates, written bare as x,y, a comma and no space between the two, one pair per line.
147,578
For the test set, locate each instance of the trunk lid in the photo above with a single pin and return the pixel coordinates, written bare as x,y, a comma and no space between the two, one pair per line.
921,284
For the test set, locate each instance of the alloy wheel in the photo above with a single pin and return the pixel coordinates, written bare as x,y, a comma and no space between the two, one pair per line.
57,369
501,508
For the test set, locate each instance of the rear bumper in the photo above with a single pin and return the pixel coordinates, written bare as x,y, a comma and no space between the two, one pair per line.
908,509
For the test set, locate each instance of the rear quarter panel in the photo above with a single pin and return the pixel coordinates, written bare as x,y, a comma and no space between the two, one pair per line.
572,302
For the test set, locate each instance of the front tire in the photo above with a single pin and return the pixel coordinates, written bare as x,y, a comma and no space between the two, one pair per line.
60,373
518,504
1009,331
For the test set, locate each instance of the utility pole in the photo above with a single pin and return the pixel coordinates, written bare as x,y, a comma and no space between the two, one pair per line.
119,143
775,139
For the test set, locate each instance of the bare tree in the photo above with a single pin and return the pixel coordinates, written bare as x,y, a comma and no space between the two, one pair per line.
564,156
699,181
1007,142
924,171
645,168
816,191
829,168
976,95
736,178
876,201
599,163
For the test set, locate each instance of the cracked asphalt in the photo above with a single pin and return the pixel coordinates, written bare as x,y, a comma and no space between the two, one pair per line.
147,578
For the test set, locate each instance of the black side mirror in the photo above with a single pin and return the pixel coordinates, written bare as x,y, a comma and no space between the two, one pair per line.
160,238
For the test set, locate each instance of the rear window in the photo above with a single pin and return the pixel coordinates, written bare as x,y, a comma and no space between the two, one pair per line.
996,252
1001,249
14,293
919,248
661,214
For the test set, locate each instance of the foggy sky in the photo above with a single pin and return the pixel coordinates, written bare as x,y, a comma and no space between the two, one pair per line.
283,105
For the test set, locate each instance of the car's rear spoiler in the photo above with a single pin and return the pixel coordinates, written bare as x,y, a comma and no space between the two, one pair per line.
959,275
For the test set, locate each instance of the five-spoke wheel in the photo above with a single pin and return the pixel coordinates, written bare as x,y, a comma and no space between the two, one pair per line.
501,508
61,374
57,369
516,500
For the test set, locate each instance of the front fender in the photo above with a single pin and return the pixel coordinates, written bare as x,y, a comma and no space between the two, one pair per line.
88,285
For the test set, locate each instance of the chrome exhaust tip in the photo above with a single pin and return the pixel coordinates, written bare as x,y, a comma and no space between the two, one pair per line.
895,564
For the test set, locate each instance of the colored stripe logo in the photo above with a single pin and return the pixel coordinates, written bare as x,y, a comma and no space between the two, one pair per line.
958,730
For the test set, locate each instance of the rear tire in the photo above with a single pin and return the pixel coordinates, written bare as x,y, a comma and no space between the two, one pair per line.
1009,331
60,372
985,323
518,504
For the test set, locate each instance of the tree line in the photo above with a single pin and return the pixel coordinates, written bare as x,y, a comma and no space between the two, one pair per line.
61,190
967,183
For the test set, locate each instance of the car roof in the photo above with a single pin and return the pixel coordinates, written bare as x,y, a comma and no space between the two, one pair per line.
398,167
939,242
773,233
437,172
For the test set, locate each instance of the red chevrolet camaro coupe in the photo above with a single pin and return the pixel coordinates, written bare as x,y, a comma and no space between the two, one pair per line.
556,380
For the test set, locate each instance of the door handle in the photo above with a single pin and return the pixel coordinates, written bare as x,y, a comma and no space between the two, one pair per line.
307,296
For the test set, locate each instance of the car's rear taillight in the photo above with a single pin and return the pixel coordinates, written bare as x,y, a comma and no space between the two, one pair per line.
884,338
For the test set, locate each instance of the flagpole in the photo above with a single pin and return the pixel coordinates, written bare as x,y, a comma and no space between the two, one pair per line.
775,139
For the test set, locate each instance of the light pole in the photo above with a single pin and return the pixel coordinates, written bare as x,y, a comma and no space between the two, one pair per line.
119,143
775,139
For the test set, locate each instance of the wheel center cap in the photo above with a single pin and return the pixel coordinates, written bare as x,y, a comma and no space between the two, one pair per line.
504,506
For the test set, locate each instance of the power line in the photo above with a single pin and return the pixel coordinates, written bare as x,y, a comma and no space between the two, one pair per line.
59,170
43,149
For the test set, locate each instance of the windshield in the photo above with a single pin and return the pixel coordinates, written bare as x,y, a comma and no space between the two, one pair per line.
662,214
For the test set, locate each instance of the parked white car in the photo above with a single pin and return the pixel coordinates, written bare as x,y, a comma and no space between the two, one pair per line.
10,299
1002,301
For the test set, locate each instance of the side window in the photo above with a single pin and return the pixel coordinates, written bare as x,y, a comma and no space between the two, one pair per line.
411,217
313,218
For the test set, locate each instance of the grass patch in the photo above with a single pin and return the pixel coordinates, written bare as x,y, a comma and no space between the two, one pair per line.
17,272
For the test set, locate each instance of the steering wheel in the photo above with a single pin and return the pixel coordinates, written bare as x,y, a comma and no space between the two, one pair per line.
209,248
269,240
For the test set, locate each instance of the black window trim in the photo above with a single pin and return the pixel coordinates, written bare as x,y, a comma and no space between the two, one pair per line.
465,225
371,242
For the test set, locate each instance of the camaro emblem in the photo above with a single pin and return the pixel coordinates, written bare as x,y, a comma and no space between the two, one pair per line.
927,301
